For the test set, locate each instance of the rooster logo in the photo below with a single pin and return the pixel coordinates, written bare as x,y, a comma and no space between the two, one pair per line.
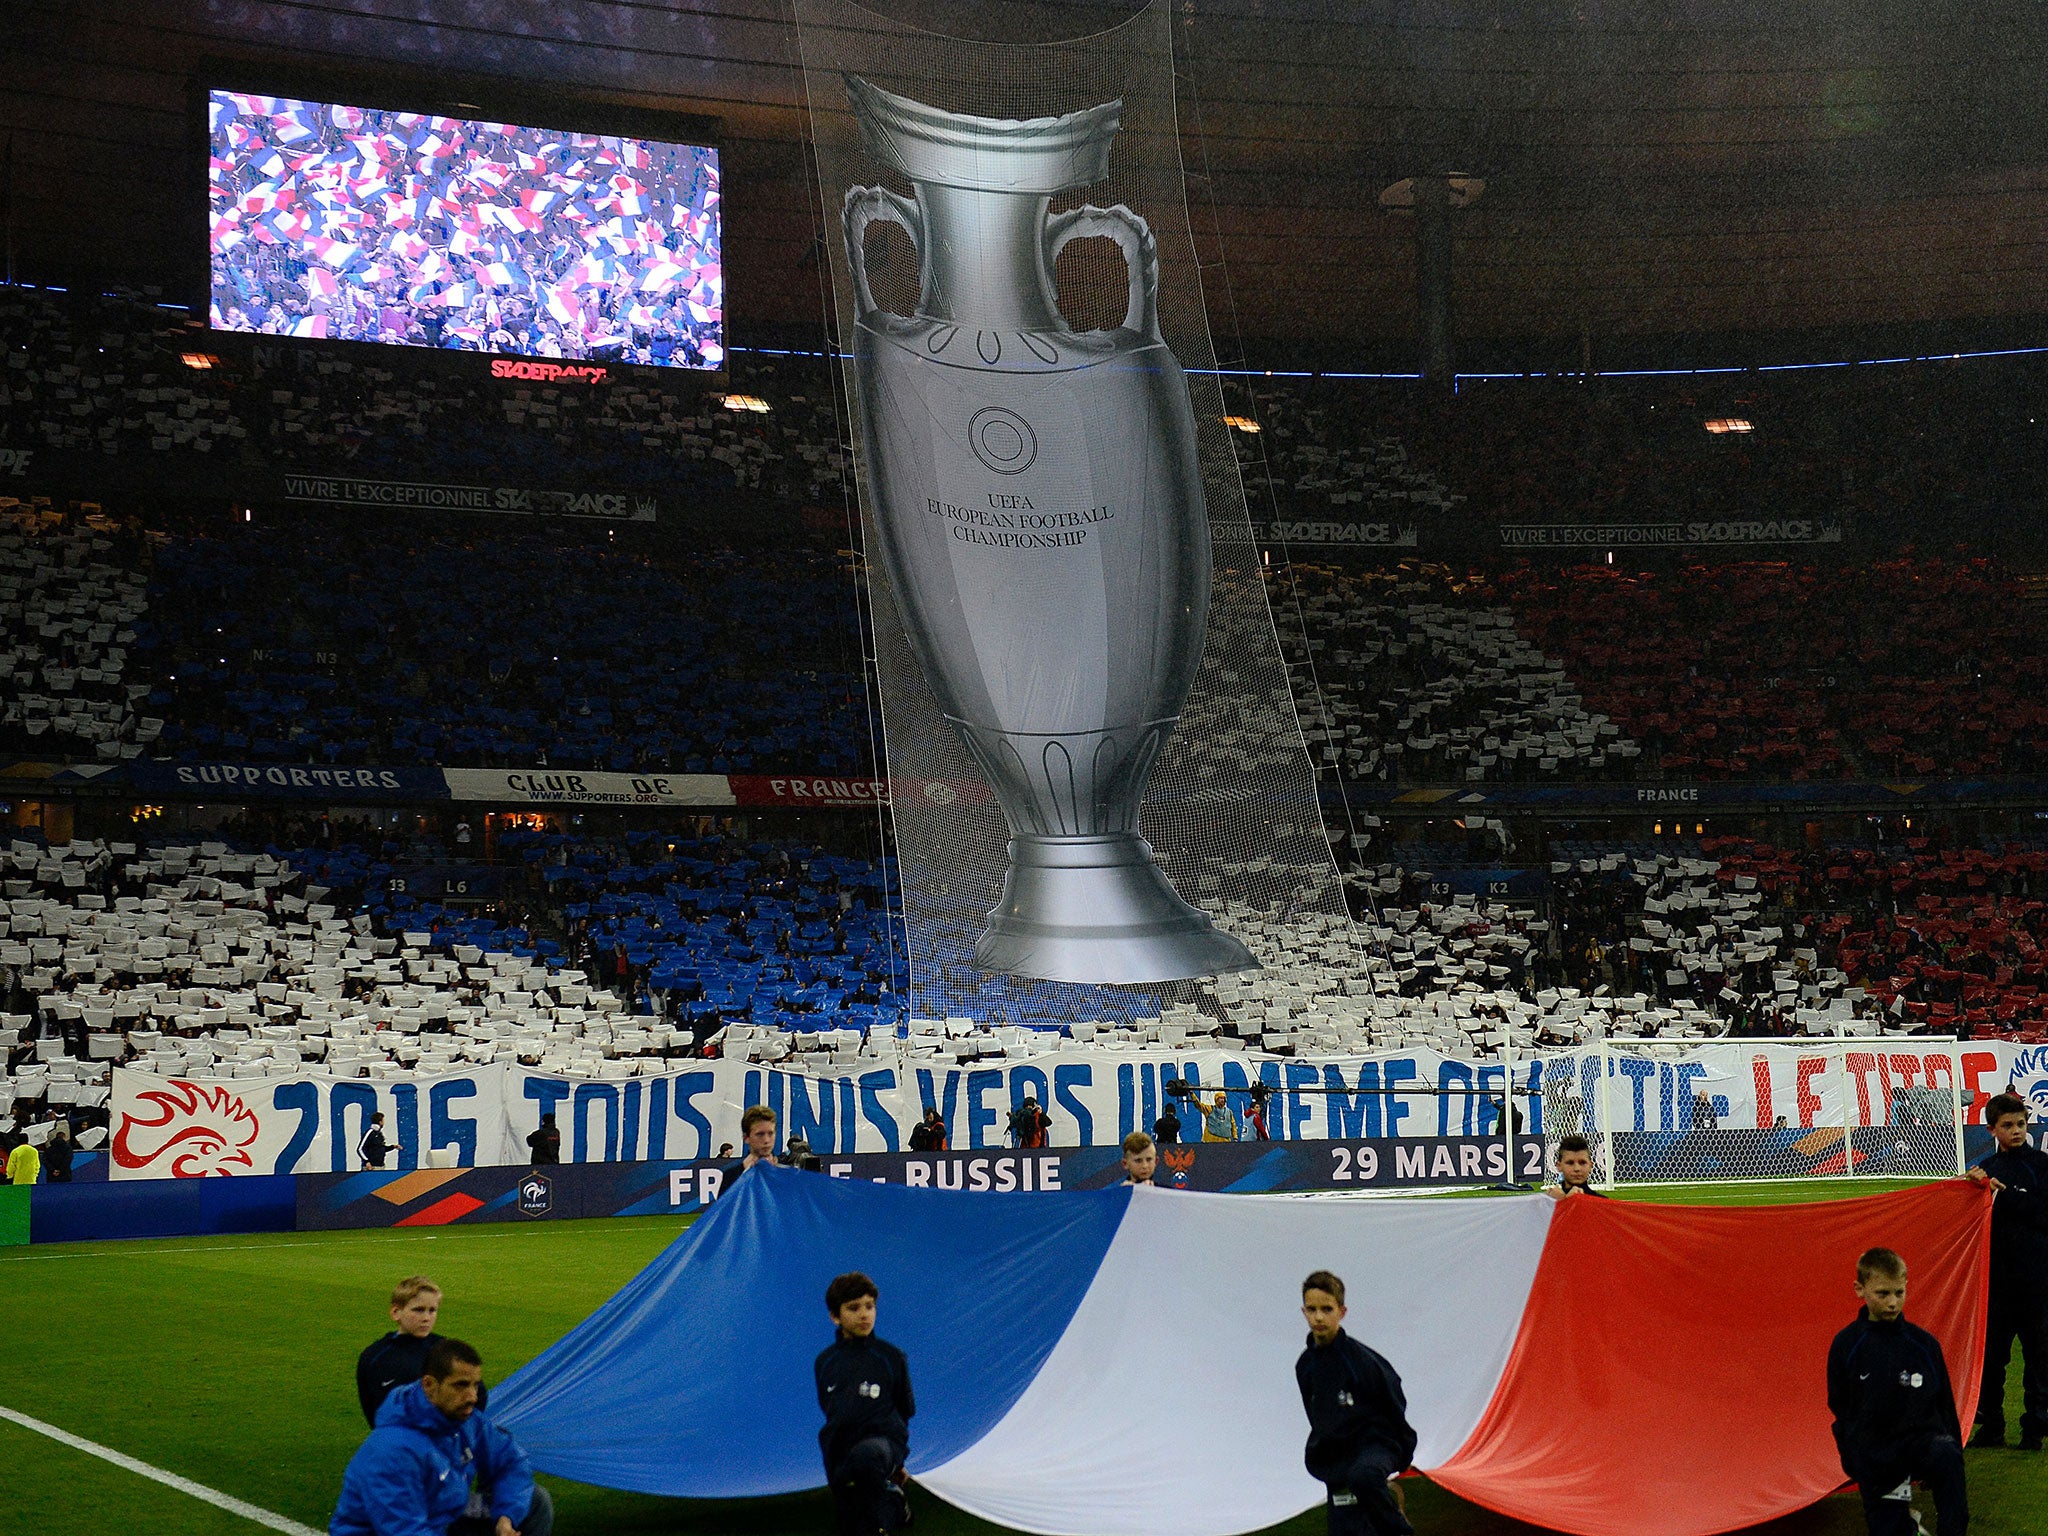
195,1132
2030,1079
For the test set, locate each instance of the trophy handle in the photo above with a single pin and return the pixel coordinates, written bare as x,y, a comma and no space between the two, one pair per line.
1133,237
864,205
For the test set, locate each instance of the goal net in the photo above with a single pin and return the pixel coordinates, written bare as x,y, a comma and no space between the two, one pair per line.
1658,1112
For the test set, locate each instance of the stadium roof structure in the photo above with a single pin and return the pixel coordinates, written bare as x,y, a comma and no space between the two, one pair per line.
1651,168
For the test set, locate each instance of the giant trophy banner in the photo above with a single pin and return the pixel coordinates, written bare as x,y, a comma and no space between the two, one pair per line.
1065,584
194,1127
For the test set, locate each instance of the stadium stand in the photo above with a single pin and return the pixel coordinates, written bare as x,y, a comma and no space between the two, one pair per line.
1735,935
357,416
70,603
370,639
202,957
1881,449
1315,453
102,375
1911,666
1412,676
1894,668
378,640
361,641
766,933
612,956
1945,936
106,375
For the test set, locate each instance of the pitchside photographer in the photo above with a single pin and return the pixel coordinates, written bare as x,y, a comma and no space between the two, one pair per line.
1030,1126
797,1154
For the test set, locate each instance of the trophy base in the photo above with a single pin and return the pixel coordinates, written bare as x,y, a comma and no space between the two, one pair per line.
1100,911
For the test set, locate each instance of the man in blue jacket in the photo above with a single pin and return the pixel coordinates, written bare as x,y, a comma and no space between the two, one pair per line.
413,1476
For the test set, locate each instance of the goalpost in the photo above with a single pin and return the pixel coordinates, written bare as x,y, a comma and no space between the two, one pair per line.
1754,1111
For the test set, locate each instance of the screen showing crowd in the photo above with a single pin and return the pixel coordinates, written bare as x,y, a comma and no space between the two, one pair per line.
355,224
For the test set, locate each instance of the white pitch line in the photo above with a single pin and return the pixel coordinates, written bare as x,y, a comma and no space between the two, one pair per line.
213,1496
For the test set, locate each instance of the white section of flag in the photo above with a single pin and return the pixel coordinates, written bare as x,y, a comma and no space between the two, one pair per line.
1201,1294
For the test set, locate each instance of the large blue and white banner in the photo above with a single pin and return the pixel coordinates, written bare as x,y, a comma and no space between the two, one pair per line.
184,1128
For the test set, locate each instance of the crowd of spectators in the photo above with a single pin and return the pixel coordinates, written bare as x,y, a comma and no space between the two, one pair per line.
1750,939
108,376
380,639
1885,451
201,958
1900,668
1419,674
709,931
360,417
1316,454
71,597
372,639
283,945
1940,935
1909,667
1912,666
103,376
286,944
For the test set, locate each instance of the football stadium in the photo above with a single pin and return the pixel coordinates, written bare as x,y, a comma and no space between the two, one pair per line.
1243,766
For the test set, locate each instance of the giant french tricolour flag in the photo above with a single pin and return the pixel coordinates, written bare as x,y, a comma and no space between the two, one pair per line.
1119,1363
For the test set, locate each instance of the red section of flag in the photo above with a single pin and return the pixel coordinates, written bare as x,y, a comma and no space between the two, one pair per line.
1670,1375
451,1208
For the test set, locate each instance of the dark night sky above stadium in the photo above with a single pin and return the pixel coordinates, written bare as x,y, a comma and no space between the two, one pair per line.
1652,168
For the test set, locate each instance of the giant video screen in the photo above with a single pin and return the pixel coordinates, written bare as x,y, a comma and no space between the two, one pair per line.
357,224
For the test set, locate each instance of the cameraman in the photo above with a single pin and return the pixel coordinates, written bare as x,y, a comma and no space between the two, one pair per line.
1029,1125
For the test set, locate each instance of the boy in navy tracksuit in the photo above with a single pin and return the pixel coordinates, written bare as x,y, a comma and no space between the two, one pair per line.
400,1357
1358,1434
2018,1171
1574,1169
1895,1412
864,1389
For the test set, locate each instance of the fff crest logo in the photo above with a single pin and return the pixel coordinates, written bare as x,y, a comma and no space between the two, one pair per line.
536,1195
2030,1080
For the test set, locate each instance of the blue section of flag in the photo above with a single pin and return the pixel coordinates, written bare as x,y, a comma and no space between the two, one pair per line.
639,1395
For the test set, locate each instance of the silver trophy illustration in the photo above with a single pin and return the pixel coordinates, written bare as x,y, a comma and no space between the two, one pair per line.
1041,517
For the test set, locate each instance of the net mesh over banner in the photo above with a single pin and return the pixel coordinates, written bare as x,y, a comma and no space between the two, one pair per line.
1231,810
1819,1109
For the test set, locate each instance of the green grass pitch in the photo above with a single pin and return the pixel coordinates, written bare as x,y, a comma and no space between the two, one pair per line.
230,1361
